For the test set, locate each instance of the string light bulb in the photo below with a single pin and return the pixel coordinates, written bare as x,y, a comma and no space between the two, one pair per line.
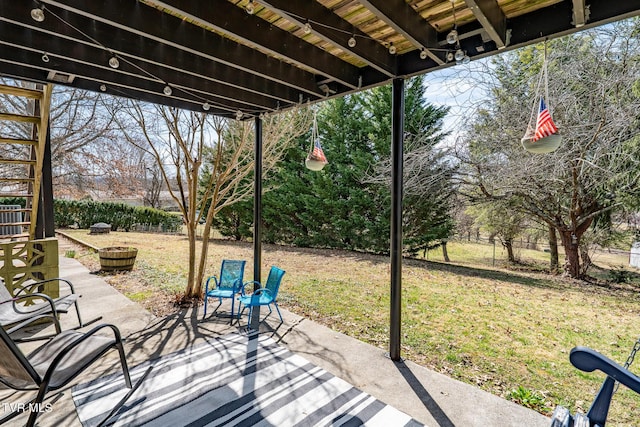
114,62
466,59
250,7
307,27
423,53
392,49
45,57
459,55
238,115
452,37
352,42
103,88
167,90
206,106
37,14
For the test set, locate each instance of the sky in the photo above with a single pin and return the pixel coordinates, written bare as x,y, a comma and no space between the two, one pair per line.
459,88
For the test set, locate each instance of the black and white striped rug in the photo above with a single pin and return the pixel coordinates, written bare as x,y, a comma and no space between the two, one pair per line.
234,380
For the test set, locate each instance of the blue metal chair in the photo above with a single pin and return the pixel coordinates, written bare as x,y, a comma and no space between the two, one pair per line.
226,286
264,295
588,360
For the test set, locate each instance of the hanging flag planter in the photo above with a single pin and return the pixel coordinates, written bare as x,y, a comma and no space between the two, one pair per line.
316,159
543,138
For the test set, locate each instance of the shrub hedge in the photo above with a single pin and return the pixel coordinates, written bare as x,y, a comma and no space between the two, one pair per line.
84,213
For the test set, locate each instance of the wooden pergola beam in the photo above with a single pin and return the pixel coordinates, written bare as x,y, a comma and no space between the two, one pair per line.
403,19
492,19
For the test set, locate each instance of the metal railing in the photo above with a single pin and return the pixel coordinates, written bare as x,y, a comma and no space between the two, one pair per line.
10,217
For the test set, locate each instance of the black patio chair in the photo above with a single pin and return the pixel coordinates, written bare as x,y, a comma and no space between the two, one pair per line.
56,363
589,360
27,305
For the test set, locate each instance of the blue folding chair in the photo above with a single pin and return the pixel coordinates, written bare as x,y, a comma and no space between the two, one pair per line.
226,286
264,295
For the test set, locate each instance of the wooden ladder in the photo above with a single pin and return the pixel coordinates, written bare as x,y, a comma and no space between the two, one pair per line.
21,159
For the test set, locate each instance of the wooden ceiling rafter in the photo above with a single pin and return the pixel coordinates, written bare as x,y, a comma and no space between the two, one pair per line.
217,54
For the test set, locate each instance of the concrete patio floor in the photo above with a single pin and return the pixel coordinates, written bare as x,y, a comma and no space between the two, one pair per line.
429,397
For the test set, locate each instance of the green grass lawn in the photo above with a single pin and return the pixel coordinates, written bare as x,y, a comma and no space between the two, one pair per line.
507,331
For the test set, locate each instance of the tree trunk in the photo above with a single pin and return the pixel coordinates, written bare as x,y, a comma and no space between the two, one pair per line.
571,242
508,244
445,254
586,259
197,291
236,228
191,233
553,249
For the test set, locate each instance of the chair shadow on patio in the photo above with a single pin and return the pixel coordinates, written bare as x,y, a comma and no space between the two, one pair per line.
185,328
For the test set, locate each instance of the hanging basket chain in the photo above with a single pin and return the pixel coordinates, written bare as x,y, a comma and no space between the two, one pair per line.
545,70
314,131
542,78
541,135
